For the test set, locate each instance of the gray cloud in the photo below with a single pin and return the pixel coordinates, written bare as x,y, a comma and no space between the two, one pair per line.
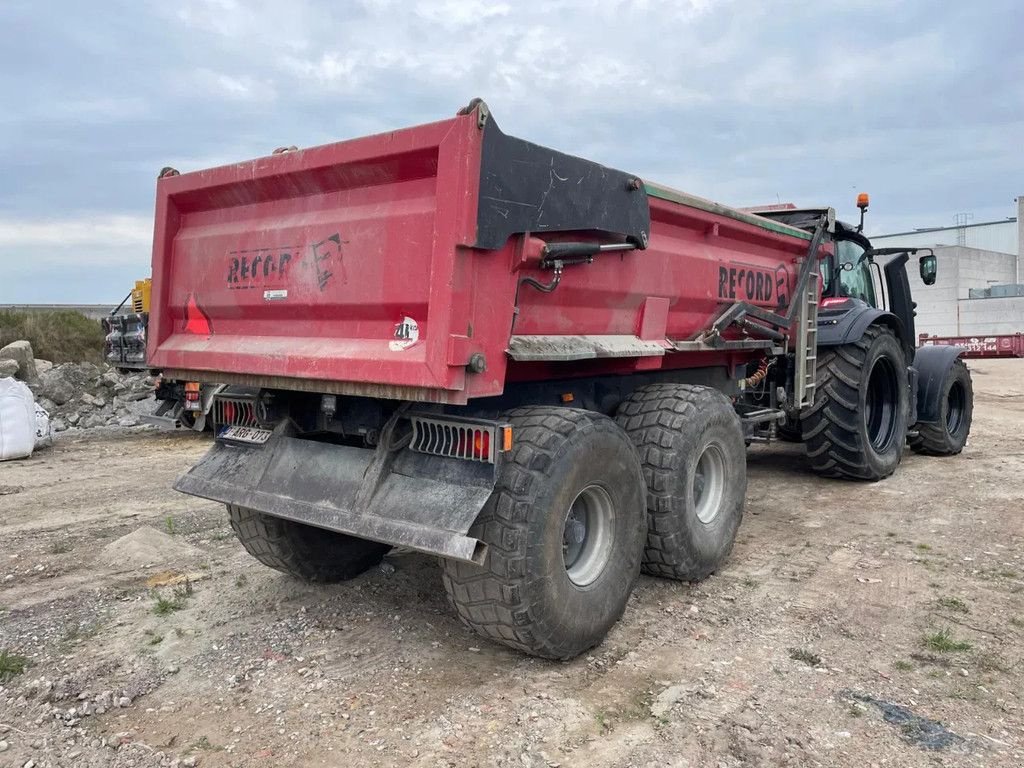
745,102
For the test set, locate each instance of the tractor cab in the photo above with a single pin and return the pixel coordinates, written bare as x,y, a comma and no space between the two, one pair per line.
857,287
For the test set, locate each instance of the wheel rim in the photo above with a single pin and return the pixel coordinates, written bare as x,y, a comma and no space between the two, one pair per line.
880,406
587,535
709,483
955,406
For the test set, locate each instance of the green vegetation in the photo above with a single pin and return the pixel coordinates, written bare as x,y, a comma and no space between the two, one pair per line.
943,641
169,523
953,604
165,606
11,665
903,665
924,547
203,743
61,336
809,658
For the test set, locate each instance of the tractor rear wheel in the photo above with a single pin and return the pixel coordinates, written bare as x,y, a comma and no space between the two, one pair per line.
564,530
790,430
695,465
303,551
857,427
948,436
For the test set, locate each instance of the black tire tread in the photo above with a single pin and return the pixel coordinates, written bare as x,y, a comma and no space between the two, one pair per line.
650,416
932,439
493,599
831,426
281,545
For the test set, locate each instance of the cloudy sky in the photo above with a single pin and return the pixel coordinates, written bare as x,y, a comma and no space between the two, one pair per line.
744,101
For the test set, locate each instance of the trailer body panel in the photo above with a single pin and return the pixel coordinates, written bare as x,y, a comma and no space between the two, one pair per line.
392,266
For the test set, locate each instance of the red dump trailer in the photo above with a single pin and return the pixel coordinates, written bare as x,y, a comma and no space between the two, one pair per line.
538,368
1006,345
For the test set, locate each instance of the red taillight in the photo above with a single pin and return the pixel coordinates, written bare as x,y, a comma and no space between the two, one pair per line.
196,320
475,444
833,301
482,445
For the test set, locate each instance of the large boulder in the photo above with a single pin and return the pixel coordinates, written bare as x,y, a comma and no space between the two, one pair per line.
60,384
9,368
21,351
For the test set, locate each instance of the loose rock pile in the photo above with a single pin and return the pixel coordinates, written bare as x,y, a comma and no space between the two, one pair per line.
80,395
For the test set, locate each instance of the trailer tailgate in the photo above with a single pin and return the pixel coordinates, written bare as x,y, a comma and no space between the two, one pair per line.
332,264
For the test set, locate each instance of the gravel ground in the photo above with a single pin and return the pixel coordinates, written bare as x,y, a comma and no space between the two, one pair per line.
854,625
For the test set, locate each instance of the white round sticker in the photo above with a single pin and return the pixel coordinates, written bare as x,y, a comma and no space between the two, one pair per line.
407,333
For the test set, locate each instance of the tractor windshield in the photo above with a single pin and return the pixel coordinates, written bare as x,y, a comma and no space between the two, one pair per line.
854,273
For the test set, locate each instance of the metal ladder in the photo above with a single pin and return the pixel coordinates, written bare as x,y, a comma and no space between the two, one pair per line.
806,352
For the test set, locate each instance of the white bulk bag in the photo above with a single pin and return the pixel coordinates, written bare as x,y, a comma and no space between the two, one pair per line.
44,429
17,420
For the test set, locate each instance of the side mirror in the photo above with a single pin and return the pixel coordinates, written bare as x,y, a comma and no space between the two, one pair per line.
929,268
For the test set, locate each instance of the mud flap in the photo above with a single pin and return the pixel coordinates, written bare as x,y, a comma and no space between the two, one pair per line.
409,499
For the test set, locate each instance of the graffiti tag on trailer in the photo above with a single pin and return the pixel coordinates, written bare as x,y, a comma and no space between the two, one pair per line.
257,267
757,285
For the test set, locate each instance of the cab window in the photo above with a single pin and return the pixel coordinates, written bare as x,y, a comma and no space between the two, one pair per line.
854,278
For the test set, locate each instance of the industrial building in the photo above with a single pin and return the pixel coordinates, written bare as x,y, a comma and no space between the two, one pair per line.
980,285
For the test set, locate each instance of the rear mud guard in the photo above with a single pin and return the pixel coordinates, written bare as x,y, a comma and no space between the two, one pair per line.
420,501
932,364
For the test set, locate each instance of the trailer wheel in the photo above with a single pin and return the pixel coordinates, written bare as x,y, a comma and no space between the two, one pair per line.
303,551
949,436
564,530
692,449
857,426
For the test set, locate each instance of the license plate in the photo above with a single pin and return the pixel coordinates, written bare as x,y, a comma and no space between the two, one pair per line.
246,434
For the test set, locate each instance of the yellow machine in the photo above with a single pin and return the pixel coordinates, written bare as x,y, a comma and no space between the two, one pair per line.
181,404
140,295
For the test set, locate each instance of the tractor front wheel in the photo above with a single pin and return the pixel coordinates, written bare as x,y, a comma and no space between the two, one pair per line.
948,435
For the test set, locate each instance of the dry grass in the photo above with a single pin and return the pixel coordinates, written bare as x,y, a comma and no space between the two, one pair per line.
61,336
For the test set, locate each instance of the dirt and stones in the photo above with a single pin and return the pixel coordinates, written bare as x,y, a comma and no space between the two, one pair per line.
81,395
846,612
84,395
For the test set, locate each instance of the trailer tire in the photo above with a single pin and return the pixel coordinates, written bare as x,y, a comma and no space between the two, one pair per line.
565,533
857,427
303,551
948,436
691,443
